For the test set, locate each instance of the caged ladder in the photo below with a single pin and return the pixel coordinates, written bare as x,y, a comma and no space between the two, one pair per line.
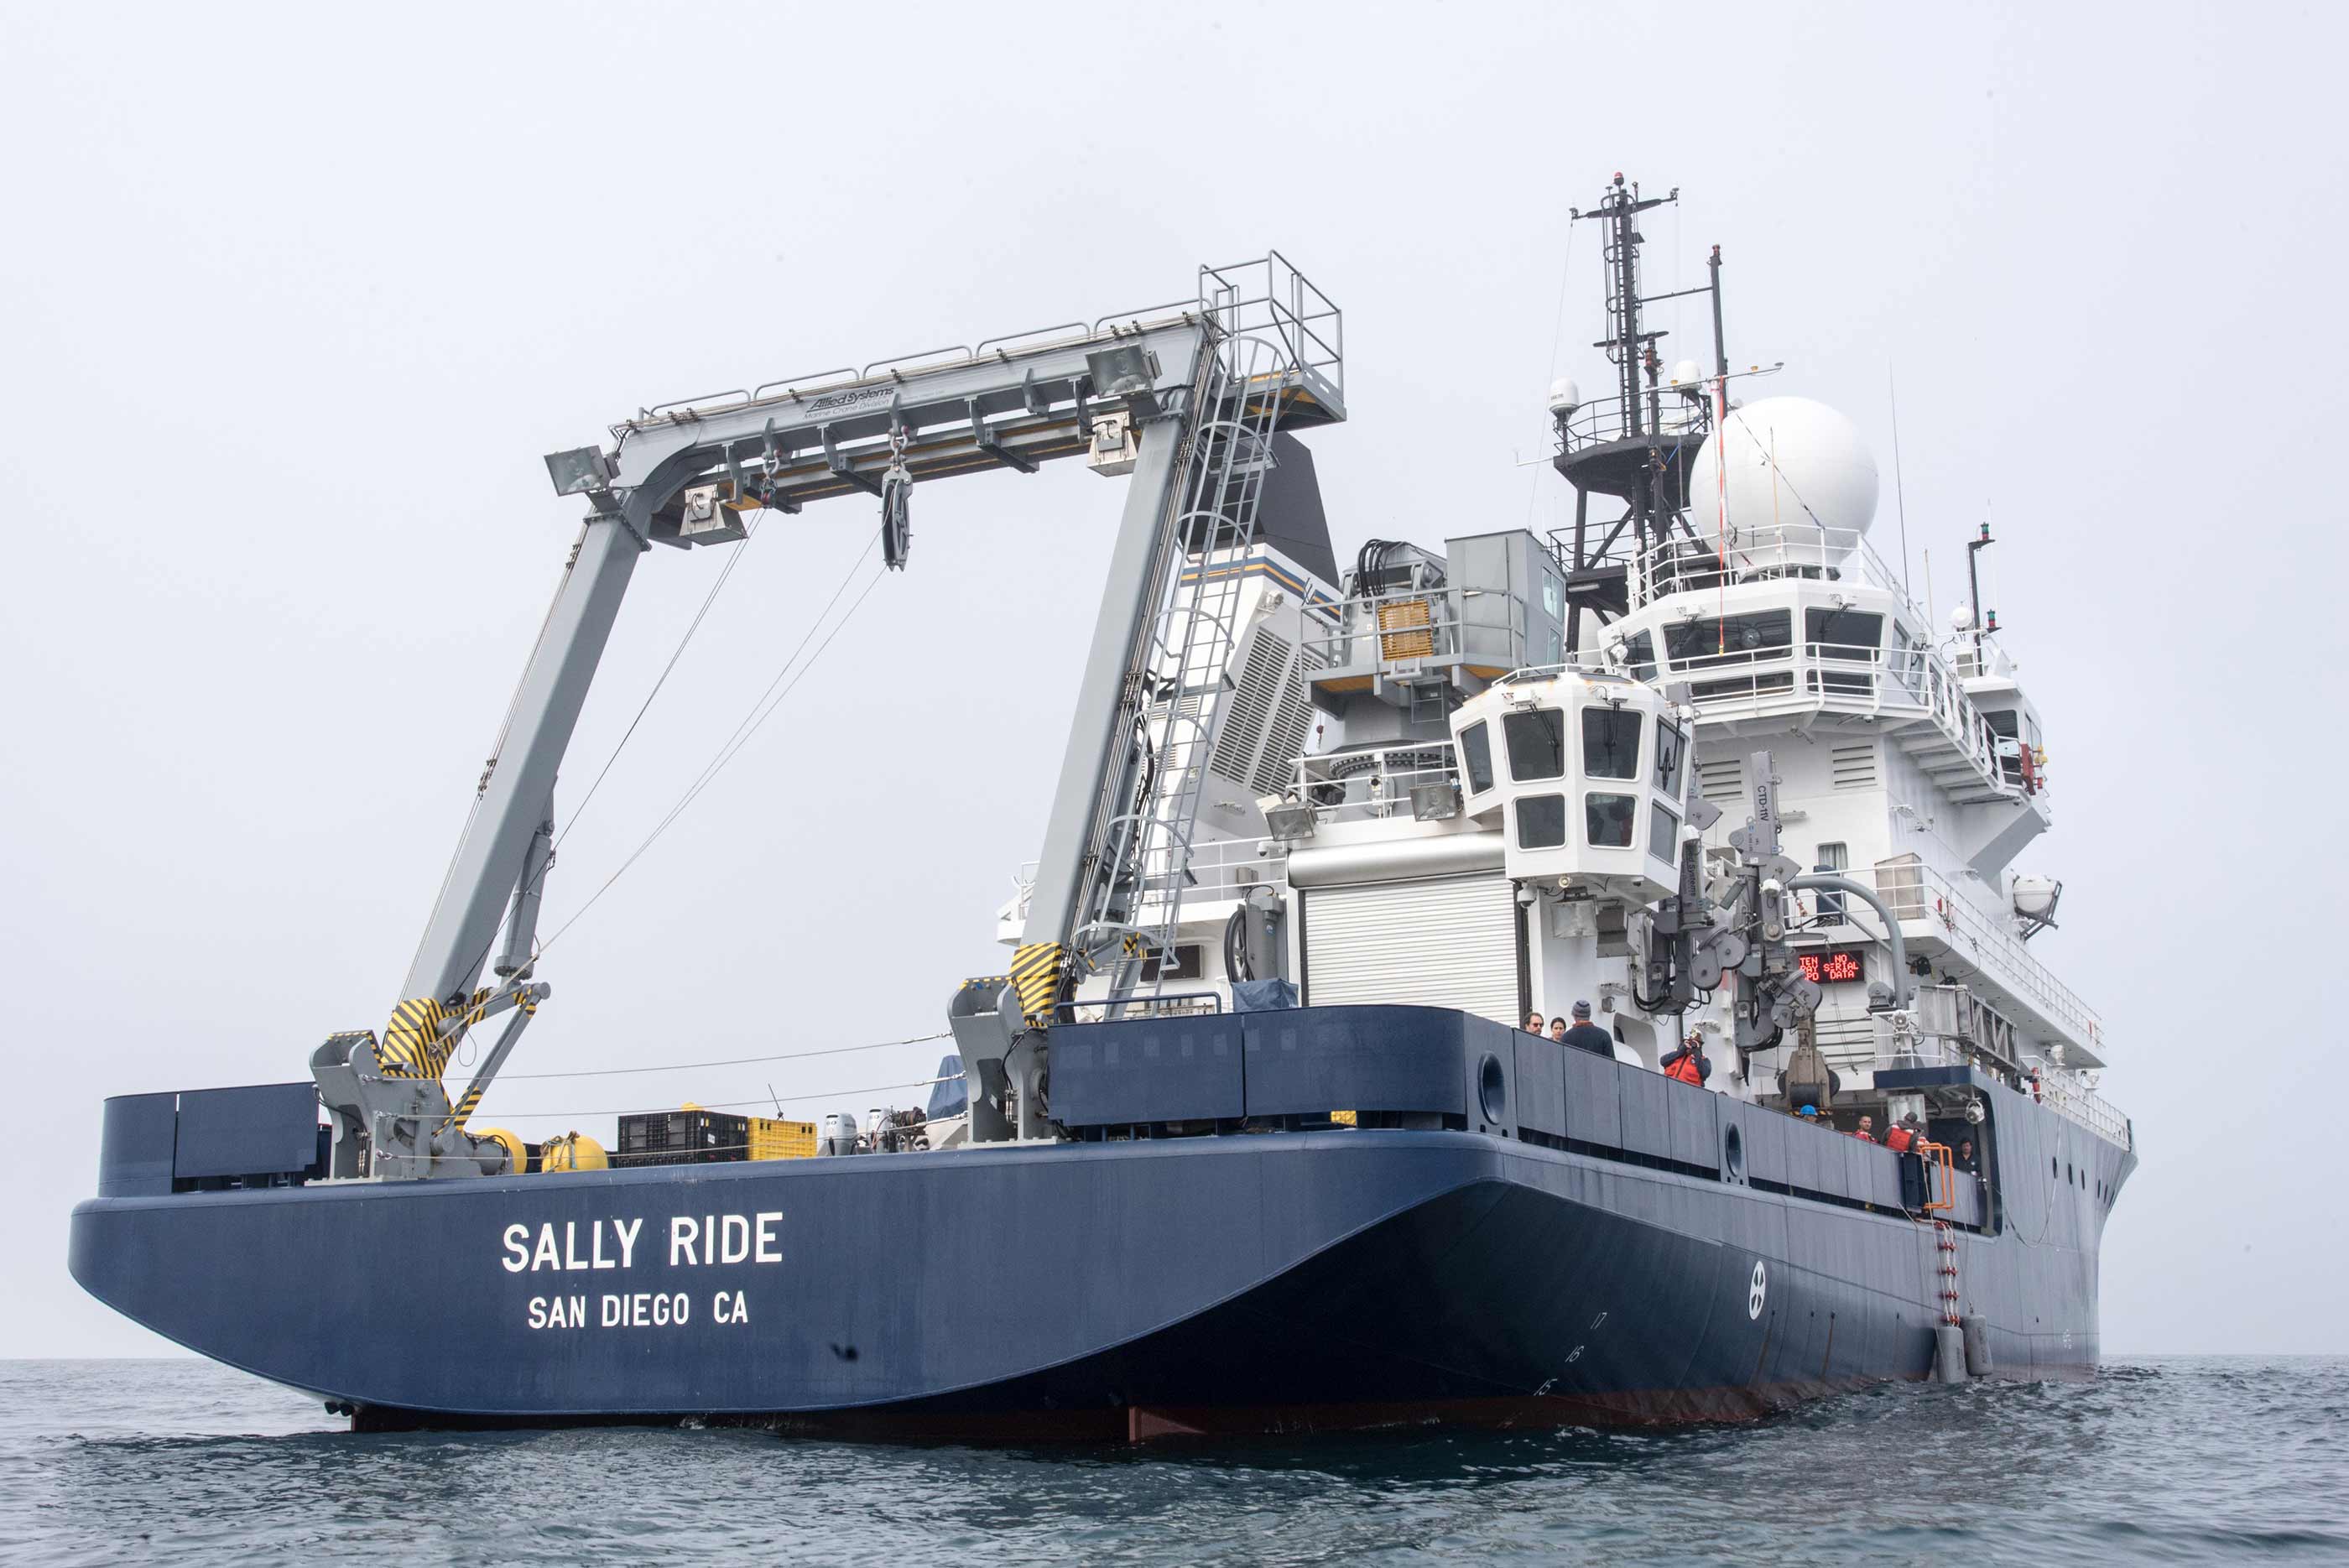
1144,842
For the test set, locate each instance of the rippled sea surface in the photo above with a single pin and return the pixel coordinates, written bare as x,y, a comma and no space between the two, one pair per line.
2169,1460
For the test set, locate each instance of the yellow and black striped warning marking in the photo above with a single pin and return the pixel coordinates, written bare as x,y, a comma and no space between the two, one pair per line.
412,1047
1036,975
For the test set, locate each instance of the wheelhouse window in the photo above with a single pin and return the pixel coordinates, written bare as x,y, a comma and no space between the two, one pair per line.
1709,640
1908,662
1639,656
1671,758
1536,742
2004,725
1610,743
1608,820
1663,834
1841,641
1541,822
1477,756
1843,633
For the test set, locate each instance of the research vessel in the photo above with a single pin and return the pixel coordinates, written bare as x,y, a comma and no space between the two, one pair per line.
1265,1124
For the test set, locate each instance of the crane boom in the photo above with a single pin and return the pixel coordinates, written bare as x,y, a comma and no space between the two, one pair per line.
1182,396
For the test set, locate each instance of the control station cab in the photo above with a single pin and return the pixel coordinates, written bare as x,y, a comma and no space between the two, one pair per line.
1586,775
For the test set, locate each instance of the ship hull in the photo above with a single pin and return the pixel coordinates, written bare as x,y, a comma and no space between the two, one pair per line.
1217,1283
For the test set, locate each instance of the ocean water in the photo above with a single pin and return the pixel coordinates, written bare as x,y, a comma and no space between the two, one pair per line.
2184,1460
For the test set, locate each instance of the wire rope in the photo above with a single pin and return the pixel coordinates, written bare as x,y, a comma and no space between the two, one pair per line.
728,1062
1557,336
734,1104
733,560
761,710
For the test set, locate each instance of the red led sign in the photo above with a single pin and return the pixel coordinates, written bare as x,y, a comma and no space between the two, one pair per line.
1828,965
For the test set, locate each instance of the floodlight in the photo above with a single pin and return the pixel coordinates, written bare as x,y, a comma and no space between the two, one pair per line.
584,472
1291,822
1434,802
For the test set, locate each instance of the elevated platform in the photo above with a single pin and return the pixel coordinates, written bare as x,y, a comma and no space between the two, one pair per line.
1016,401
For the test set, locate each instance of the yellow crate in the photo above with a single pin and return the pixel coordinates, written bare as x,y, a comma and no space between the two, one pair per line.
1406,630
772,1139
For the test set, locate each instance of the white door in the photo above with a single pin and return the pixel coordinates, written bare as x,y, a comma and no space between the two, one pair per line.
1449,941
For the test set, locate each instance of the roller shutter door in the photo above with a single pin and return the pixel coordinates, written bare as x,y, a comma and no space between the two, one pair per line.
1449,941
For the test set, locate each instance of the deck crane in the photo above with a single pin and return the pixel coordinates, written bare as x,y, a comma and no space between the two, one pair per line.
1185,399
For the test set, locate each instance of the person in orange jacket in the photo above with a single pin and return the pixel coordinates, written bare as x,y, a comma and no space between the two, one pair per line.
1689,1064
1906,1136
1865,1131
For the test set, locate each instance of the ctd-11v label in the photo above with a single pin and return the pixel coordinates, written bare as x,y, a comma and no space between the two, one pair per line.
573,1246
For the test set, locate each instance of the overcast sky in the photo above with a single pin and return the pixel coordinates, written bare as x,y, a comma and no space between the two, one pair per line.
295,300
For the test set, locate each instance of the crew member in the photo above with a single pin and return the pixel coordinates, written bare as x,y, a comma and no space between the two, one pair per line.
1689,1064
1585,1035
1901,1135
1865,1131
1968,1161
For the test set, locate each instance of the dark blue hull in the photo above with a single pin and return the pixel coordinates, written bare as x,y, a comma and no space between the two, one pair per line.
1235,1281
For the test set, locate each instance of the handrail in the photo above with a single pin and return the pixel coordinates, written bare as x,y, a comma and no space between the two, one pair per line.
1761,553
1074,328
1152,1002
791,384
1861,678
1254,303
1939,1160
897,361
1916,891
1371,786
2088,1108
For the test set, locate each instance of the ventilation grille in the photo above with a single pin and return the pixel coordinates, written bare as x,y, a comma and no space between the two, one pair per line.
1292,718
1854,766
1264,728
1722,782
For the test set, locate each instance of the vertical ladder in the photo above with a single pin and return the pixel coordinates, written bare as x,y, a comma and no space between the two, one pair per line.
1945,1241
1132,906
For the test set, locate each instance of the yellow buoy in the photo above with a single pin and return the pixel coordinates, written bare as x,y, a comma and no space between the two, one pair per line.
573,1151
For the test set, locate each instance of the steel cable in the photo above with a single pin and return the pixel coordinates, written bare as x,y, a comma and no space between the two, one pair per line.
743,731
729,1062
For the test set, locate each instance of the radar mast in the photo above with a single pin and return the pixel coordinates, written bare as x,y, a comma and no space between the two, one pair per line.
1636,449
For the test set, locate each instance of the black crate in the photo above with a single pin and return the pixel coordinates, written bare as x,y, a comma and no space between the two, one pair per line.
682,1137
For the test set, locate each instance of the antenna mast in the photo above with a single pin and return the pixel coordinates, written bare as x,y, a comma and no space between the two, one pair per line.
1632,450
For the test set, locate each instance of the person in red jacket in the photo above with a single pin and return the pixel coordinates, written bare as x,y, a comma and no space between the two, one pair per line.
1908,1136
1865,1131
1689,1064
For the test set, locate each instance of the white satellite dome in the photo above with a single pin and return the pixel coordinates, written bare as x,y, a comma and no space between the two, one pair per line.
1794,467
2034,897
1686,373
1565,397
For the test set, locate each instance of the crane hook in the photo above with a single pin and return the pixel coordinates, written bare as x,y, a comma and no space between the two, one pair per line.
897,495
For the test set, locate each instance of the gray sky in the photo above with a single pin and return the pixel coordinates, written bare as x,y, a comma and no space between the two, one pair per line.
295,299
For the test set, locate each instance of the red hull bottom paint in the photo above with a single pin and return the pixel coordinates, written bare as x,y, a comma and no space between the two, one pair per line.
1142,1423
